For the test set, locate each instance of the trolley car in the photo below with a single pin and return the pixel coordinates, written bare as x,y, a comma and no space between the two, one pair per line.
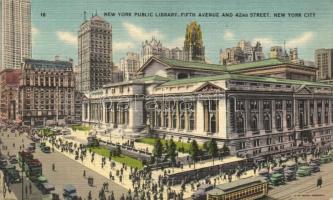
245,189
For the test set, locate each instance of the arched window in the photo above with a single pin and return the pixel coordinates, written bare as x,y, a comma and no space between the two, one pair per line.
267,123
182,121
212,124
174,120
240,124
289,121
192,121
166,119
254,123
278,122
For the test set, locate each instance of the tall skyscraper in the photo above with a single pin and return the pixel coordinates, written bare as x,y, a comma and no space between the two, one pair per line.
324,63
247,49
129,65
194,49
95,54
15,32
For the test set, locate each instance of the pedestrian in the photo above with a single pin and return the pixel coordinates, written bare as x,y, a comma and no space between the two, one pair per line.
319,182
84,173
30,188
53,167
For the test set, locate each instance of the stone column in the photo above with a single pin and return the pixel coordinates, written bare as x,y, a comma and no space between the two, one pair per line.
177,115
284,115
315,112
247,117
296,113
261,115
135,115
88,112
273,117
308,110
200,118
103,112
83,116
330,112
222,108
323,111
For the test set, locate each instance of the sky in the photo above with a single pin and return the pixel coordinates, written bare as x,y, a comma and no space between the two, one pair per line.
56,32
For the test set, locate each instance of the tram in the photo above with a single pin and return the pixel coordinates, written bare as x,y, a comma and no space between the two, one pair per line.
244,189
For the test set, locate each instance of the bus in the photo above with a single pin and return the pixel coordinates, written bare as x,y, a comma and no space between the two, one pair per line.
243,189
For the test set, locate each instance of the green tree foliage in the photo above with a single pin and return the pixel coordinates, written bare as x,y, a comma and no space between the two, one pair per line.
172,151
194,151
158,148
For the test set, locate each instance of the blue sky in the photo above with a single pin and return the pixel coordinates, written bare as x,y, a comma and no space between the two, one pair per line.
56,34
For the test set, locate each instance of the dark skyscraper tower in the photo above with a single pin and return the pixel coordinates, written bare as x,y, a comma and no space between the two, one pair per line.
193,44
95,54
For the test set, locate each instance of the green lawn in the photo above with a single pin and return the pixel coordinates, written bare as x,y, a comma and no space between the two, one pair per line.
129,161
81,128
152,141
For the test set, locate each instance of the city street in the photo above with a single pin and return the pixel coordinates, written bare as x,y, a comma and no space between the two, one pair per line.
304,188
67,171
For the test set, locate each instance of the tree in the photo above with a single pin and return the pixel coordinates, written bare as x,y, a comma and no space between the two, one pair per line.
213,150
225,149
206,145
172,151
194,151
158,149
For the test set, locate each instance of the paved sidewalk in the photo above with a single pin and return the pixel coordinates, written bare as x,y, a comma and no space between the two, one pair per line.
5,195
127,183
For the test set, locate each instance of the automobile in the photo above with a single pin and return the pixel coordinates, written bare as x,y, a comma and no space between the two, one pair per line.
302,163
276,179
303,171
3,162
314,167
264,173
31,149
277,170
46,149
289,175
12,173
13,160
200,194
69,192
291,166
325,159
315,160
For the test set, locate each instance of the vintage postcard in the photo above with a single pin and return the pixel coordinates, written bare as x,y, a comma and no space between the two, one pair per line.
166,100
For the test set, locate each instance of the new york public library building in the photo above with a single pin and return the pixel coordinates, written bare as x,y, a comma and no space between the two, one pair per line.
257,109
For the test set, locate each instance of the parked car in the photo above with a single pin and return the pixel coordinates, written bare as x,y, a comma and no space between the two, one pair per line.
314,167
303,171
70,192
276,179
12,173
289,175
13,160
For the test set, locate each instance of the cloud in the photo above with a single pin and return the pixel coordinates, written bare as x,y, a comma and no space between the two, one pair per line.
266,42
228,35
122,45
300,40
34,32
67,37
139,34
